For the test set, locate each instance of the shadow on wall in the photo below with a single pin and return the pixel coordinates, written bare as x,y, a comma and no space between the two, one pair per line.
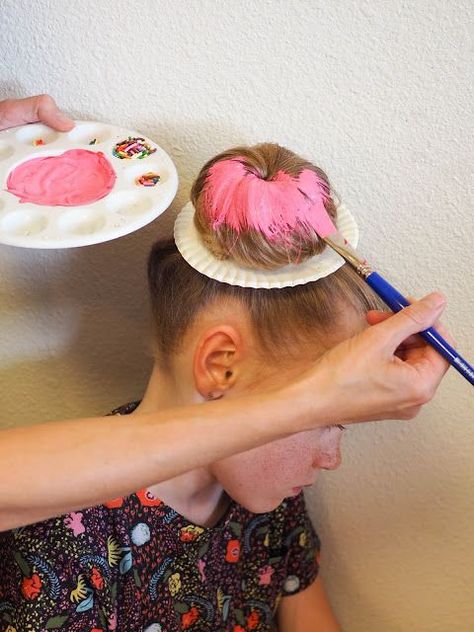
77,328
75,322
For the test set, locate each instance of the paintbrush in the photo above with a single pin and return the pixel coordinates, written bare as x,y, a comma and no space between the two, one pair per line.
392,297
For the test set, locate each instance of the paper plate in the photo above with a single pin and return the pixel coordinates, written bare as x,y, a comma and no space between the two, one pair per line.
127,207
191,247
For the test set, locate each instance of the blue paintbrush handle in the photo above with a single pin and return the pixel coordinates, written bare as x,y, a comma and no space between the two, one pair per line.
397,301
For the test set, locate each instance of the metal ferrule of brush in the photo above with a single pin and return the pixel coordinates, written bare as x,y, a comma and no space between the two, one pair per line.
337,242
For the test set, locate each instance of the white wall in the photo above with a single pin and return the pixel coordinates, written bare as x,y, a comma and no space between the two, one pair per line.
379,93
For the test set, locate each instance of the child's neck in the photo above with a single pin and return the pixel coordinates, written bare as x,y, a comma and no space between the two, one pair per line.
161,393
196,495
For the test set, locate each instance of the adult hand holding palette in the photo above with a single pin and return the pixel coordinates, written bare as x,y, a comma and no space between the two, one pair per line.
92,184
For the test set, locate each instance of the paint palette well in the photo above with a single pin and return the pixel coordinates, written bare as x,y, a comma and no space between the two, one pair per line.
50,210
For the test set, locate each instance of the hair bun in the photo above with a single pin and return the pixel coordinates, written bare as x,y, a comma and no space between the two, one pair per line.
259,206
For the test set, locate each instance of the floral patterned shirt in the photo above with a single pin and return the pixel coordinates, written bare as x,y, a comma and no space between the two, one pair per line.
136,565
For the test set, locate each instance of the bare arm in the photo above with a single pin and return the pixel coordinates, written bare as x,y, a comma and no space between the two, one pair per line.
307,611
50,469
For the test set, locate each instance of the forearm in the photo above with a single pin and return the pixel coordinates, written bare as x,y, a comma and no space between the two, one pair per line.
50,469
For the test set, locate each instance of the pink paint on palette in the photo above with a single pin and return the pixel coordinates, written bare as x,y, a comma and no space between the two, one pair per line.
242,200
64,190
73,178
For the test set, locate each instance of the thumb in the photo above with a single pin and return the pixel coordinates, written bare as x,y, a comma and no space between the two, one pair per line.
412,319
32,109
45,109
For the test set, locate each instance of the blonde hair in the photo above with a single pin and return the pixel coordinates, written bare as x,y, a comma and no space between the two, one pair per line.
251,248
282,318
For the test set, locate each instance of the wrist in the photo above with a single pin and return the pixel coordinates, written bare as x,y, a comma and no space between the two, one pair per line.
307,402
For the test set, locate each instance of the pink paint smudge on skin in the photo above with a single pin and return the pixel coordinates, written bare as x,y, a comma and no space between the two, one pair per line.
73,178
237,198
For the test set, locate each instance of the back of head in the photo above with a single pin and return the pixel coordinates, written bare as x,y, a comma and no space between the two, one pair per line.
254,205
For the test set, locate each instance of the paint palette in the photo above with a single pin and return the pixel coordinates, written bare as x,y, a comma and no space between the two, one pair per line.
142,182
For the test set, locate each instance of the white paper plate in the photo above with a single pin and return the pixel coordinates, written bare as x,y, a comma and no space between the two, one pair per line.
193,250
126,208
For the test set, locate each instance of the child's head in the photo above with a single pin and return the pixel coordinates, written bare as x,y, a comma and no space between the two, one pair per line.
214,339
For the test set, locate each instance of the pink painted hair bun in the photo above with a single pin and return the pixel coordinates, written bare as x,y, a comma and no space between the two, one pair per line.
260,205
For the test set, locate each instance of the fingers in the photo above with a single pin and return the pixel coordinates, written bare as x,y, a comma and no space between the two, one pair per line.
48,112
445,333
32,109
438,326
412,319
413,350
386,371
375,317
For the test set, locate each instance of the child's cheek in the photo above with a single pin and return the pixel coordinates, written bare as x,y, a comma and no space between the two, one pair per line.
286,462
276,467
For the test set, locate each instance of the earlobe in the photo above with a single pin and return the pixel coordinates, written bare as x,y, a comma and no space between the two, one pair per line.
212,396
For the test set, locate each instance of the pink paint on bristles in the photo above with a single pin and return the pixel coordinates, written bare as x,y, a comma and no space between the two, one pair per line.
240,199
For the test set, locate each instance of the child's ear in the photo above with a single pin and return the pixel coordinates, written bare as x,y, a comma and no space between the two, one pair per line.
216,361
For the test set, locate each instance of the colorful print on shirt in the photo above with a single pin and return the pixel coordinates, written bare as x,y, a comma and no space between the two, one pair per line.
136,565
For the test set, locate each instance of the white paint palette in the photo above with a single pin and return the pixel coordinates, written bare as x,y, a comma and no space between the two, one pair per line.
128,207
